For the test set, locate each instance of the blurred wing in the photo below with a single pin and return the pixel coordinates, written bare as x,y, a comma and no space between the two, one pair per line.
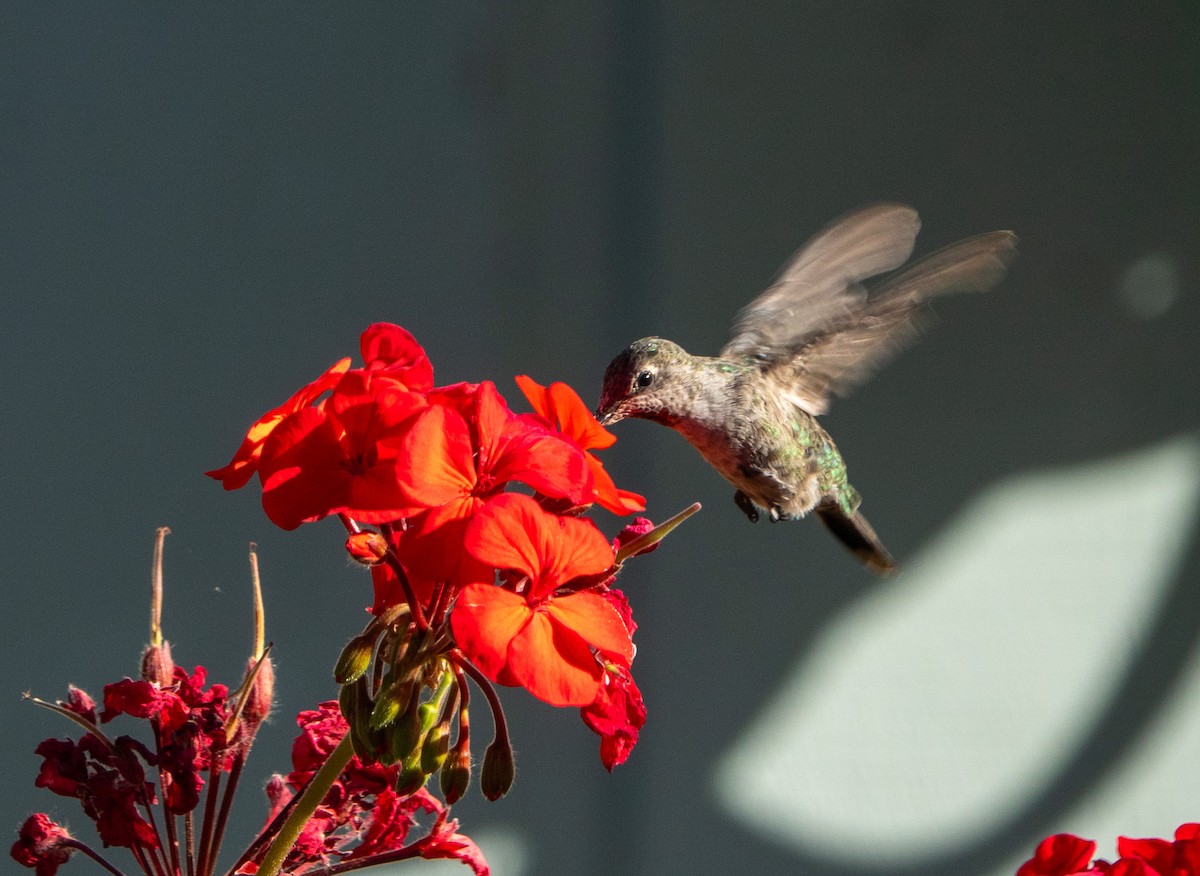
819,287
849,350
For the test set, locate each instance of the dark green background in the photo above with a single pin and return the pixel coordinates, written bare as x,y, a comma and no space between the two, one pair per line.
202,206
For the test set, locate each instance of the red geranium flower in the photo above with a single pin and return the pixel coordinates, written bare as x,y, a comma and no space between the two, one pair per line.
562,406
342,457
533,635
459,453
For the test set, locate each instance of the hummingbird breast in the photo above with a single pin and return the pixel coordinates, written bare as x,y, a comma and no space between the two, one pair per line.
761,442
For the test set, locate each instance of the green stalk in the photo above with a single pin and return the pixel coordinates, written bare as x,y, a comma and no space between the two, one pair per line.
311,797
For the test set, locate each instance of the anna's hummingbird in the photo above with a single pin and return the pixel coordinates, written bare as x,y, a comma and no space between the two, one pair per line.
751,411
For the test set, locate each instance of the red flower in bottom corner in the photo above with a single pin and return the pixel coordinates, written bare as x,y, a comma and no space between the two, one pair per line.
1065,854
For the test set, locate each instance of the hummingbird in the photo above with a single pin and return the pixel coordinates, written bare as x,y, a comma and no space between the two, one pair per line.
818,330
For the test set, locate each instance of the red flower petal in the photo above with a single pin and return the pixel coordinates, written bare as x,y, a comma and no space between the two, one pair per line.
617,715
594,620
1062,854
561,405
393,351
485,620
553,663
437,463
513,532
245,461
1158,853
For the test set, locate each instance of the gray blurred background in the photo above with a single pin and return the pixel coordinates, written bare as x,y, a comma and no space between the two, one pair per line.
201,208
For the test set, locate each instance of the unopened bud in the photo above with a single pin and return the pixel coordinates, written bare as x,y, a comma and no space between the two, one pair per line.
368,548
411,779
435,747
404,735
456,772
157,666
355,704
354,660
262,692
499,770
392,699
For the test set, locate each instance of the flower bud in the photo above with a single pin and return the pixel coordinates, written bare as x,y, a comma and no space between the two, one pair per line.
499,769
354,660
404,735
262,693
392,699
411,779
157,666
435,747
368,548
456,772
355,704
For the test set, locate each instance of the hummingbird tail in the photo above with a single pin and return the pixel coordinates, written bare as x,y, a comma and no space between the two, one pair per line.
856,534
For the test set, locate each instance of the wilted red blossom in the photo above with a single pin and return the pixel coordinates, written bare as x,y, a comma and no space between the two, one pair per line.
616,715
42,845
561,406
361,814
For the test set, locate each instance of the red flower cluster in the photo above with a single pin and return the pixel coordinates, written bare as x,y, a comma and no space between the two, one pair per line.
109,776
361,816
168,802
1067,855
519,582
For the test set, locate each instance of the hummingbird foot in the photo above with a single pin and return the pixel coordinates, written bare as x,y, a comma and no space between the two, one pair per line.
747,505
778,514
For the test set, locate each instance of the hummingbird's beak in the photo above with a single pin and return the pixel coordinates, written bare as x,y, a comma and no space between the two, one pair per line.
609,416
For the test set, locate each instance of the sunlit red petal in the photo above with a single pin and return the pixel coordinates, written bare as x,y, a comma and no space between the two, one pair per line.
485,620
560,405
244,463
609,496
394,351
513,532
503,534
1059,855
592,618
1158,853
553,663
513,448
436,463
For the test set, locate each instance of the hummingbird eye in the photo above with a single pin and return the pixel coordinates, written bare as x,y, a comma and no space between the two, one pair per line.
644,379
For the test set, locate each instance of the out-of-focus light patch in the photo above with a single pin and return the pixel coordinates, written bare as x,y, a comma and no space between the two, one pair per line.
932,709
1150,286
506,851
1153,789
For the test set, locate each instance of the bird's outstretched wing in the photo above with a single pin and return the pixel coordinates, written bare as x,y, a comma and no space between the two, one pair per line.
817,328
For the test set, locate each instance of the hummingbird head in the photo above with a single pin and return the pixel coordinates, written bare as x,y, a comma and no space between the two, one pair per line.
637,383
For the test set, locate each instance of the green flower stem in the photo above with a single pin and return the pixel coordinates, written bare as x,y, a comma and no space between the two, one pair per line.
314,792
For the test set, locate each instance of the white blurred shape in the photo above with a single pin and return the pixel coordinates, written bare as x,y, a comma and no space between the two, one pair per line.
933,708
1150,286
